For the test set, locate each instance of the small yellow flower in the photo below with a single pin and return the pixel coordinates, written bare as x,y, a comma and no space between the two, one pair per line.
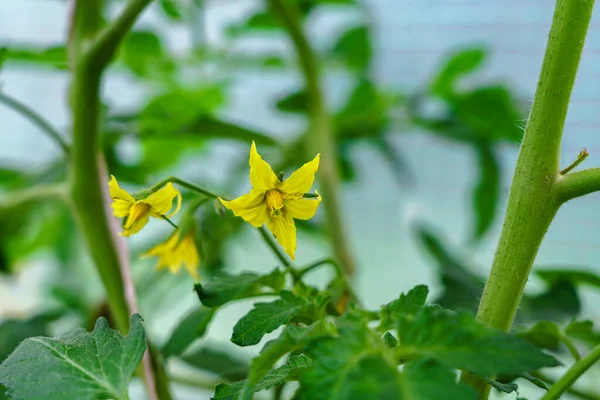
138,212
277,203
174,252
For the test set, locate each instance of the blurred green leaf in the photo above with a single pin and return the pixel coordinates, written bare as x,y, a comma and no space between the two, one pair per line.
210,127
13,331
460,64
144,53
55,57
406,306
287,372
191,327
80,365
390,340
354,48
572,274
265,318
558,302
220,363
259,22
543,334
417,378
224,288
296,102
486,191
365,112
3,54
583,331
171,9
459,341
503,387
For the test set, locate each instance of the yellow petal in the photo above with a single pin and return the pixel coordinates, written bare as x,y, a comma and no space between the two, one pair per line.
121,208
302,179
284,229
161,201
116,193
137,212
190,256
302,208
262,176
164,247
136,226
251,207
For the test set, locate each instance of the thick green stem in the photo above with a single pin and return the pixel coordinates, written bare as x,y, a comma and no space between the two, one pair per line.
578,184
533,199
35,118
320,137
566,381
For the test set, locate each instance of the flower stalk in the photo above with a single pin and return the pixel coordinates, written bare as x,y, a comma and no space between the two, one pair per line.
537,190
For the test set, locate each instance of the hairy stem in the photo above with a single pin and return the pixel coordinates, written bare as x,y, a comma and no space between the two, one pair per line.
533,200
36,119
320,136
566,381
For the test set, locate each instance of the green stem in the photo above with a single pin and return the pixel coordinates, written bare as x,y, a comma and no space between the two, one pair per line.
183,183
578,184
34,194
287,264
566,381
36,119
320,137
571,347
583,154
533,199
305,270
582,394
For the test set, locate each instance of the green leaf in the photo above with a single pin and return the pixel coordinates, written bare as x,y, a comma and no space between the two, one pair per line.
536,381
390,340
222,364
459,341
192,327
80,365
287,372
460,64
583,331
265,318
259,22
144,53
574,275
486,191
171,9
55,57
210,127
559,302
544,334
406,306
225,288
503,387
354,48
417,379
13,332
296,102
353,365
3,53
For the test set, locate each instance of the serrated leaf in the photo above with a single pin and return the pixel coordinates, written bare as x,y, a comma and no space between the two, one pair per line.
583,331
543,334
503,387
417,379
287,372
354,48
265,318
460,64
225,288
13,332
536,381
459,341
406,306
486,191
192,327
80,365
171,9
220,363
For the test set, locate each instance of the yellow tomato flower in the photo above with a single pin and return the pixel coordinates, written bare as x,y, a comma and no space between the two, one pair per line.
138,212
174,252
277,203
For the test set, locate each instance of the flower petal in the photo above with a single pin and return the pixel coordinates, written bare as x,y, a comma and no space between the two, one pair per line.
283,228
161,201
164,247
116,193
121,208
136,226
251,207
262,176
302,179
190,256
302,208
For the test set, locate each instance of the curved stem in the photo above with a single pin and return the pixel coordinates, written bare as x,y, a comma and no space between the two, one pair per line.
533,199
183,183
305,270
320,136
578,184
36,193
566,381
36,119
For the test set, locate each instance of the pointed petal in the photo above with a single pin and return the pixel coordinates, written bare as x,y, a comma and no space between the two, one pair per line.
251,207
116,193
262,176
302,208
164,247
137,212
190,256
302,179
161,201
136,226
121,208
283,228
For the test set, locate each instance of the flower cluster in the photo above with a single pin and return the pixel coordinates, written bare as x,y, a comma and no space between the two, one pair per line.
271,201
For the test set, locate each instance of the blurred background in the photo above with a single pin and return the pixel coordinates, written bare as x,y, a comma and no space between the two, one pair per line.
429,99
